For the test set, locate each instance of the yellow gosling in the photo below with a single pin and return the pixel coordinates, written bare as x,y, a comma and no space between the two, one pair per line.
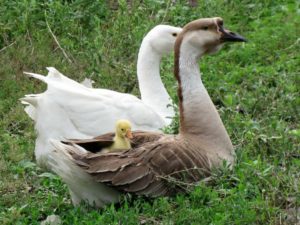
122,137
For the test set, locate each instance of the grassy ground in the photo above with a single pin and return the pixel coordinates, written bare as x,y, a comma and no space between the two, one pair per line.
255,87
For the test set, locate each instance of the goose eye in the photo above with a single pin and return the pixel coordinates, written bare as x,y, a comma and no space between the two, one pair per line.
174,34
205,28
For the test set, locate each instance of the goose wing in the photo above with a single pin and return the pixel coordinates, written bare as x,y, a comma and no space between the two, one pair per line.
94,144
154,168
102,141
92,111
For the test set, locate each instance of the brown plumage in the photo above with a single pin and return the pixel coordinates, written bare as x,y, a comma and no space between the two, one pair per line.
151,168
97,143
159,164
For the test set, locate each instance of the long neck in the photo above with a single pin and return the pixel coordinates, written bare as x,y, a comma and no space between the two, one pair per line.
153,92
198,115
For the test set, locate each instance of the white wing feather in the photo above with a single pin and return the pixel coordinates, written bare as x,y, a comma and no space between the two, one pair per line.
68,109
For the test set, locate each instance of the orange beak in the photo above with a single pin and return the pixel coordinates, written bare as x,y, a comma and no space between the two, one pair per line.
129,134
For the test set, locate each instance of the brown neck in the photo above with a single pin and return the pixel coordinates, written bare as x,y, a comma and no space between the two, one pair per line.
177,76
198,115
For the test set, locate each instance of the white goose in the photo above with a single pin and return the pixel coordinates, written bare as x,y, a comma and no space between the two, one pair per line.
68,109
156,160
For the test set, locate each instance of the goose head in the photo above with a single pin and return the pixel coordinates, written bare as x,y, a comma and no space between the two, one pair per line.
206,36
123,129
162,38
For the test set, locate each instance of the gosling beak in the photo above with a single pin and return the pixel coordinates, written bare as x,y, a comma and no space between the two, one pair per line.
129,134
228,36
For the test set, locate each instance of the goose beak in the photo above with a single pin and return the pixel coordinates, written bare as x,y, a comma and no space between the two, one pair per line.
229,36
129,134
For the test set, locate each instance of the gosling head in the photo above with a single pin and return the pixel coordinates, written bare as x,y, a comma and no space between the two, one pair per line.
206,36
123,129
162,38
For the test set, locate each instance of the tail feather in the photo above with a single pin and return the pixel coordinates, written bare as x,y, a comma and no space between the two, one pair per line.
30,99
81,184
54,73
31,102
88,83
37,76
30,110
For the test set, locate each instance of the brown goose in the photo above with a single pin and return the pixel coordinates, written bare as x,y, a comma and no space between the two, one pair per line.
201,144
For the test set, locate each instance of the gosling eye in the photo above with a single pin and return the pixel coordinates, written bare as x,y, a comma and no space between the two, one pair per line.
122,129
174,34
205,28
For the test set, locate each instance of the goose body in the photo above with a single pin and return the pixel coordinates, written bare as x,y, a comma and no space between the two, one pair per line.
68,109
155,159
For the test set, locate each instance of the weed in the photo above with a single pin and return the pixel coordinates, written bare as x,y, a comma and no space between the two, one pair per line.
255,87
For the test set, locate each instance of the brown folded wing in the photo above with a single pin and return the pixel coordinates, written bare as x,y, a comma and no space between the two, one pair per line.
157,165
103,141
95,144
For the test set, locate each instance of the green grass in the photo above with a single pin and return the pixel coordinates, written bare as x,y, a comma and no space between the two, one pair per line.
254,85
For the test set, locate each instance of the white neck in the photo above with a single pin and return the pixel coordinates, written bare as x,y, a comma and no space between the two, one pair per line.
199,115
153,92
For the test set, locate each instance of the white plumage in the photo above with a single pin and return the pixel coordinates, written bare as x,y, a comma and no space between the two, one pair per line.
68,109
81,185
